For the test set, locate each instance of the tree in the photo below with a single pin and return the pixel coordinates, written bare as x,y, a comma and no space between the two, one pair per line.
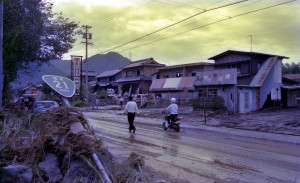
292,68
32,32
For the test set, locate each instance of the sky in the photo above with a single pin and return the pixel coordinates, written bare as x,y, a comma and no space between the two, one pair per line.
185,31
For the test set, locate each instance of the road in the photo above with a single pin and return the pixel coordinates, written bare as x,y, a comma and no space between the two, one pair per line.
203,155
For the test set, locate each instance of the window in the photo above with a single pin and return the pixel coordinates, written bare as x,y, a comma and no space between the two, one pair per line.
166,76
140,72
193,74
178,75
207,92
128,73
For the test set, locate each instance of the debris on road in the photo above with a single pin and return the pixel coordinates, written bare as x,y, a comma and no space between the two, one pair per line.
51,147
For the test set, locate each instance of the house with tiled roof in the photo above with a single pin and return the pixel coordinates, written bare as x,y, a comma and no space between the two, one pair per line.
136,77
107,79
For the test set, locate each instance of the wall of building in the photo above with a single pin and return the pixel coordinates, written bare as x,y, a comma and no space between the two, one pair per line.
234,57
292,96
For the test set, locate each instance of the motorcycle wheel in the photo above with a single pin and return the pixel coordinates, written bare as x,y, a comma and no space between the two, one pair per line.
164,126
176,127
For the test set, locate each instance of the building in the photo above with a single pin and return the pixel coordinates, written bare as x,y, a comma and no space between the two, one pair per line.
259,79
178,80
106,80
136,77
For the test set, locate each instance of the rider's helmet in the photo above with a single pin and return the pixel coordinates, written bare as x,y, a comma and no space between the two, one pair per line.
173,100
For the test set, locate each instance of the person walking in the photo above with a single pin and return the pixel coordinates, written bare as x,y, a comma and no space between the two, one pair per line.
131,109
121,101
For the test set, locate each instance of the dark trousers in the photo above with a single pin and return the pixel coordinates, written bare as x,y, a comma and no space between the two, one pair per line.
131,117
171,117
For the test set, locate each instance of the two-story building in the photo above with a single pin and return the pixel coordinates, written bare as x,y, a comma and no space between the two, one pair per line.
136,77
178,80
259,79
107,79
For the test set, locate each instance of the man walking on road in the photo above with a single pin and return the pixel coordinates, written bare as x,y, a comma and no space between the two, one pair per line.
131,109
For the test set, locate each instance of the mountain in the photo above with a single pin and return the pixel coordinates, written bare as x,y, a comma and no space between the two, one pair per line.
103,62
98,63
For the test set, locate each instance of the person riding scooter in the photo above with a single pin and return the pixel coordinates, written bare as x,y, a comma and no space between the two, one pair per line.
172,110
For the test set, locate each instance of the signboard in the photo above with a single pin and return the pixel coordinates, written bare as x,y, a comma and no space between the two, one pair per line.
275,94
61,85
76,72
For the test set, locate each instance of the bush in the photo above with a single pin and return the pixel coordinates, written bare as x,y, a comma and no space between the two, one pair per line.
213,103
80,104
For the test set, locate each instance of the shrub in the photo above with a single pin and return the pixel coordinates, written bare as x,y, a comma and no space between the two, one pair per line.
213,103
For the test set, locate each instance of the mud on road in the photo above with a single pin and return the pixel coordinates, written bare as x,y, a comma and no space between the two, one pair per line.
284,121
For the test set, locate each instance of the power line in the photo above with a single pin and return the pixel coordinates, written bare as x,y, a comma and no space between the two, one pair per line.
242,14
181,5
122,12
175,24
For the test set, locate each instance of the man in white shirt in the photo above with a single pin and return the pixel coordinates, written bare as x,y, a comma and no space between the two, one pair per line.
131,109
173,110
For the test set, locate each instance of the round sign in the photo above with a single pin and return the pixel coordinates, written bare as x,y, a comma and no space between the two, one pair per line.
61,85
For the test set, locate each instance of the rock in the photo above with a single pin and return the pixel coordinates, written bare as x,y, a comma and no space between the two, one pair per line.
16,173
50,168
78,171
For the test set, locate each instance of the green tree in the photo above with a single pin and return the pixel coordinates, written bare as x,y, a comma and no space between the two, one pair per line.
32,32
292,68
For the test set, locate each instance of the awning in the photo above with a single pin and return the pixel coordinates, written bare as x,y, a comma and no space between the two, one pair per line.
187,83
167,84
157,84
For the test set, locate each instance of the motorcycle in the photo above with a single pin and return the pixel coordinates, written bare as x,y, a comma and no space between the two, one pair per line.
174,124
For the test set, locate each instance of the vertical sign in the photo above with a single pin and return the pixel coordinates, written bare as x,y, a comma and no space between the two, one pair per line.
76,72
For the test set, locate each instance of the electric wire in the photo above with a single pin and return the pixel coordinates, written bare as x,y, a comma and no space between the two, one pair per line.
183,20
222,20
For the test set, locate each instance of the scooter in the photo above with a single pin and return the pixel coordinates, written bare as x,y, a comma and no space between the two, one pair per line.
174,124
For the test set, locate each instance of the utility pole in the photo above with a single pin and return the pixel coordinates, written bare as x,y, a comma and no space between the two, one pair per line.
250,41
86,36
1,53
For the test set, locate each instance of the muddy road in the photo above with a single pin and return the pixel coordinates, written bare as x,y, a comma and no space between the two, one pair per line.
202,155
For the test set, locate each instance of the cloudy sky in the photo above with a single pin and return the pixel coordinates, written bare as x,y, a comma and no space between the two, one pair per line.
186,31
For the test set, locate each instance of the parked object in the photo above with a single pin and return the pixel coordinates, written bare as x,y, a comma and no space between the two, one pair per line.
43,106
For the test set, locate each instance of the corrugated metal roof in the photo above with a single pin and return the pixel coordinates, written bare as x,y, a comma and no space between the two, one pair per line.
244,52
166,84
216,77
108,73
292,76
157,84
297,87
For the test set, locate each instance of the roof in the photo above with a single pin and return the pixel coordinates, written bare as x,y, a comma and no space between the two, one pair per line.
292,76
108,73
245,53
148,62
295,87
132,79
217,77
166,84
186,65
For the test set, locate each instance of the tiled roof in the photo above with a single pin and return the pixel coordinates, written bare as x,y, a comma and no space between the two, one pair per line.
148,61
108,73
